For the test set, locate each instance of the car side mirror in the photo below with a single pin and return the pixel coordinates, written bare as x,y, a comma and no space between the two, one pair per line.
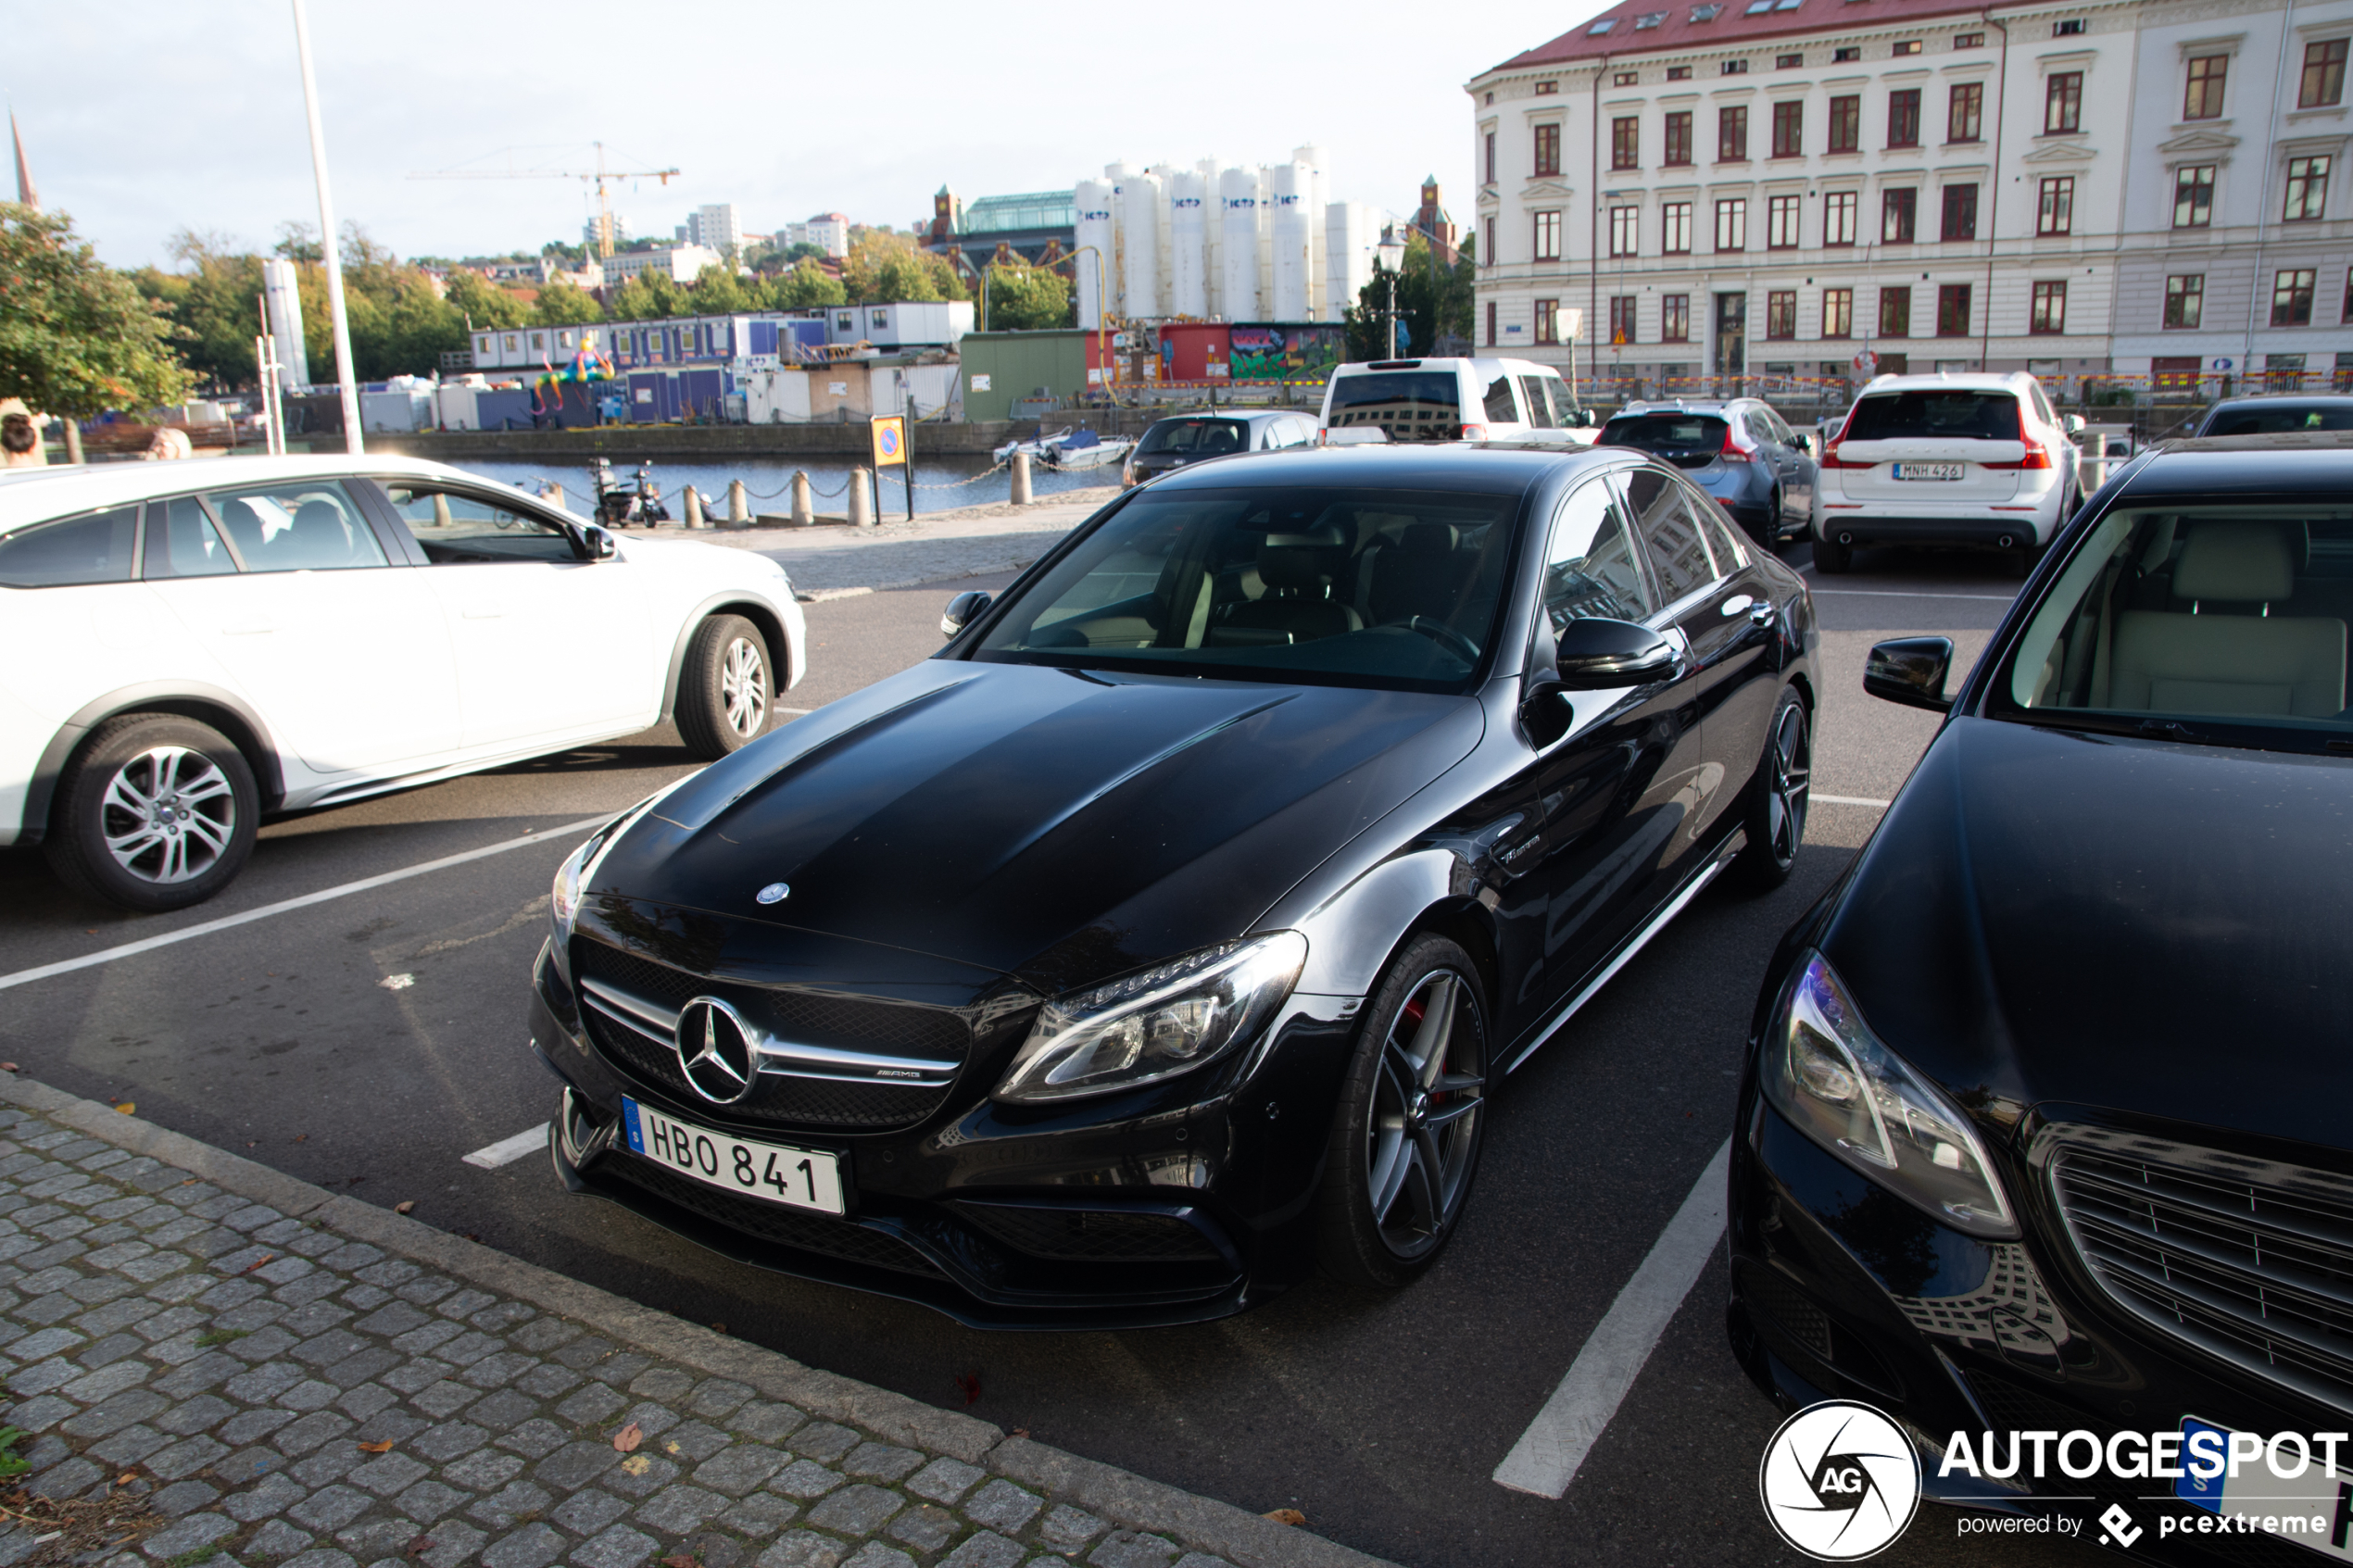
1911,671
2071,423
961,611
601,544
1602,652
1804,444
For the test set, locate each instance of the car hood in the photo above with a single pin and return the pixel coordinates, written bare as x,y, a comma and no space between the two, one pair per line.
2148,927
1050,824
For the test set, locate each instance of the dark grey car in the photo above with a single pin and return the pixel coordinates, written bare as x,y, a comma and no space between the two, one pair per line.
2277,415
1192,438
1737,449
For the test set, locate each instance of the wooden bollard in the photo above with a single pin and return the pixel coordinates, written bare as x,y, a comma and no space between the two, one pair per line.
1021,479
804,506
862,500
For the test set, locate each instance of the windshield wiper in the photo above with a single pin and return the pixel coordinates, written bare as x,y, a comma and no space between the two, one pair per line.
2168,729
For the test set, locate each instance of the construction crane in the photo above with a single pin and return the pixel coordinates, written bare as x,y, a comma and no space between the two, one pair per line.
601,176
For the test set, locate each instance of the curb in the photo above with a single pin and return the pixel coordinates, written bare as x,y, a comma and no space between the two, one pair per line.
1129,1500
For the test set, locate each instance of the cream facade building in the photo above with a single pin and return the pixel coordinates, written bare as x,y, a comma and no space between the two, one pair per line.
1792,189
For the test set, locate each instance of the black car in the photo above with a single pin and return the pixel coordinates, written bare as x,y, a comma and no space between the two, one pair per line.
2277,413
1168,929
2042,1127
1177,442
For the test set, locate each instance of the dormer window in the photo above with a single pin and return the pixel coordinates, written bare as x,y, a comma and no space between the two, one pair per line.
1757,7
1649,19
1601,27
1706,13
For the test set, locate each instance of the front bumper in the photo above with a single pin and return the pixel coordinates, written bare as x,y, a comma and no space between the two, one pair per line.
1180,1203
1841,1290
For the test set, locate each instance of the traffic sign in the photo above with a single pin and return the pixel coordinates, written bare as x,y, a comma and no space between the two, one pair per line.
2221,364
890,432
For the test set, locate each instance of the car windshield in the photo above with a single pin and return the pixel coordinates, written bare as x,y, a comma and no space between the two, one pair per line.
2271,419
1196,438
1385,588
1665,432
1935,416
2217,623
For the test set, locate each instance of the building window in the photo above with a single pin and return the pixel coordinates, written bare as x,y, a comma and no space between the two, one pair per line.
1960,213
2048,317
1899,211
2292,298
2055,212
1626,78
2072,28
1676,219
1840,57
1546,88
1622,317
1548,236
1678,139
1952,310
2063,103
1847,123
1491,323
1969,41
1907,47
2324,81
1895,311
1789,129
1788,62
1734,68
2346,315
1675,318
1838,312
1548,150
1487,241
2193,196
1780,222
1732,224
1838,217
2308,189
1904,118
1965,114
1781,313
1679,74
1548,320
1625,230
1625,142
1490,157
2202,97
1731,135
2186,300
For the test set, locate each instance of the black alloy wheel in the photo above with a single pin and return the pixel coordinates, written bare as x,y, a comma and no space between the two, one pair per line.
155,812
1775,822
725,690
1405,1140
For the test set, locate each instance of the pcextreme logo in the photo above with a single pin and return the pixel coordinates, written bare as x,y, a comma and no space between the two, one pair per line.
1839,1481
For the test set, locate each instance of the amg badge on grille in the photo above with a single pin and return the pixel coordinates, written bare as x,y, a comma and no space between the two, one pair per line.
775,893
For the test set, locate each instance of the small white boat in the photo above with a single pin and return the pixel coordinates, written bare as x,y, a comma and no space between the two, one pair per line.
1069,448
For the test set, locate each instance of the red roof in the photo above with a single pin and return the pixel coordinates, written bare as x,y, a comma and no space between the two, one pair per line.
1732,23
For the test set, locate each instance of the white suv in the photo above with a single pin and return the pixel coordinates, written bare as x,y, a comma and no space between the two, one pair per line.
1946,459
187,647
1452,400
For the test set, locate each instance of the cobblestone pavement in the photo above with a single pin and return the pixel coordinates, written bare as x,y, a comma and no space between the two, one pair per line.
285,1391
968,542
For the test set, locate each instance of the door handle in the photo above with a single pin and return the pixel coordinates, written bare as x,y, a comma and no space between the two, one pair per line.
1761,613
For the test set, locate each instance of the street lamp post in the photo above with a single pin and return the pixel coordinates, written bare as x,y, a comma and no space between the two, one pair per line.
330,252
1390,252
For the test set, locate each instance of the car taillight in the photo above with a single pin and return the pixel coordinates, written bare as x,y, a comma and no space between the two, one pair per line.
2037,457
1734,452
1831,460
1474,433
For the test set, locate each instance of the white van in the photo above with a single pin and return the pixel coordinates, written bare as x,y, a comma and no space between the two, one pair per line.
1452,400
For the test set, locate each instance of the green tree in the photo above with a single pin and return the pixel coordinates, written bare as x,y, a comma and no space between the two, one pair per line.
806,287
1435,302
718,292
75,336
565,305
1024,298
1367,320
215,305
479,301
634,300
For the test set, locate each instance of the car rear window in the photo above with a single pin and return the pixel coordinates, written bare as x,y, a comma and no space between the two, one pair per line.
93,547
1936,415
2271,419
1665,432
1196,438
1409,405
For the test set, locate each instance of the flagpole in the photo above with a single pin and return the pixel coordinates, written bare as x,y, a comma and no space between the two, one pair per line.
329,250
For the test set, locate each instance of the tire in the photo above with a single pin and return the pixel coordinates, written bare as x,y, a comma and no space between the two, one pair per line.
725,689
1769,535
1830,557
155,812
1405,1117
1776,816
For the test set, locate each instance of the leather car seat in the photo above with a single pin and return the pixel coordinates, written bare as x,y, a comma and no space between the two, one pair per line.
244,527
319,538
1417,575
2229,654
1297,606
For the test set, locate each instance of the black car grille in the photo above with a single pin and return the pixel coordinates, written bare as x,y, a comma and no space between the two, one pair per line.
2247,1258
769,1222
1092,1235
1768,1293
816,1017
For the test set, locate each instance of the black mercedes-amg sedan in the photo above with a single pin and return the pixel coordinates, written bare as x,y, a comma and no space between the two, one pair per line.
2044,1130
1167,932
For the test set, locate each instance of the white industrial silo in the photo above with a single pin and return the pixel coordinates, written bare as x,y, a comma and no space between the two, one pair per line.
1211,232
1187,245
1265,174
1351,231
1141,196
1319,306
1093,205
1237,242
1290,236
282,292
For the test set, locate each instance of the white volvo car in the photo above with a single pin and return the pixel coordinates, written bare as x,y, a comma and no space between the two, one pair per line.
1947,459
188,648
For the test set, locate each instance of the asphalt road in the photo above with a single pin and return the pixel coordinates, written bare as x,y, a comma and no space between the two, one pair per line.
294,1038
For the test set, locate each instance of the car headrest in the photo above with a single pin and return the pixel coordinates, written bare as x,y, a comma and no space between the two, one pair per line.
2235,561
1285,564
319,521
243,522
1430,539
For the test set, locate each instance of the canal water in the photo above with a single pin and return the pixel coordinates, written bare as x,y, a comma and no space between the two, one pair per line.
941,484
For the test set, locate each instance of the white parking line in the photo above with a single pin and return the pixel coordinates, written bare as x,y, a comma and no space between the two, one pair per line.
506,1151
1548,1454
1847,800
88,960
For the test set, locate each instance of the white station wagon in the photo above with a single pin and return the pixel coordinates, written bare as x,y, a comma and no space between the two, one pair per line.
188,648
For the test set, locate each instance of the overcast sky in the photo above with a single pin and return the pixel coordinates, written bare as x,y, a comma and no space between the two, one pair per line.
142,119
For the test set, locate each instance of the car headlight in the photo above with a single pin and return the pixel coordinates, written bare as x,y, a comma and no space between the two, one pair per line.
1154,1024
1827,1073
